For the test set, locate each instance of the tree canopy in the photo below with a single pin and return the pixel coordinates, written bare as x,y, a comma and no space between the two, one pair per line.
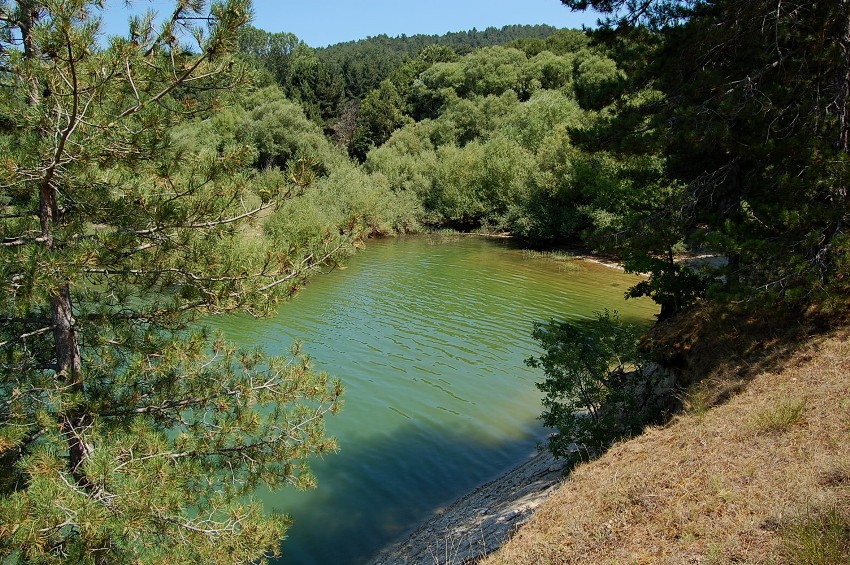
751,117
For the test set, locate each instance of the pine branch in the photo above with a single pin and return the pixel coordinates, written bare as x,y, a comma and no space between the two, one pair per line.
25,336
209,223
21,241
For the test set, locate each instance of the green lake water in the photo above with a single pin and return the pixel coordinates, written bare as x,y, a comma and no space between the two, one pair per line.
428,337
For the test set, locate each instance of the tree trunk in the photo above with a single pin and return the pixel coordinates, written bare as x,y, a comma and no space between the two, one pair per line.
66,345
844,92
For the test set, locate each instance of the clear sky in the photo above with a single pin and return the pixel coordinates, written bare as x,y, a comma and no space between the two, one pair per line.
324,22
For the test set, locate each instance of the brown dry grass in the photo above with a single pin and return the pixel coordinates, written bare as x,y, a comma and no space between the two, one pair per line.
724,484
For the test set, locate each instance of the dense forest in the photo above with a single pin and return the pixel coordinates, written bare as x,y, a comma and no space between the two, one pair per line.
147,183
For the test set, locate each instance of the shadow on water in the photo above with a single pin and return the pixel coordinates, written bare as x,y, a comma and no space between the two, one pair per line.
355,513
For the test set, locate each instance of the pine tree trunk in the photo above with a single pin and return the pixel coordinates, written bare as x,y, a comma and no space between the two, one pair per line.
66,345
844,96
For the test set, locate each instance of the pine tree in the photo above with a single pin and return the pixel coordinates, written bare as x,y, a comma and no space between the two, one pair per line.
752,119
128,433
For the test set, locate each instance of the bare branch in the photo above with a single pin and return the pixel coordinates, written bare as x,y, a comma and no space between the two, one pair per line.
24,337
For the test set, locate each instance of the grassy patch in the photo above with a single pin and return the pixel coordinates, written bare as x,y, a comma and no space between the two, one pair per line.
697,399
780,417
548,255
711,486
819,538
565,261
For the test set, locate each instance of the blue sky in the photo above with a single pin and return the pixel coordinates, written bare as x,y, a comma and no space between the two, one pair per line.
323,22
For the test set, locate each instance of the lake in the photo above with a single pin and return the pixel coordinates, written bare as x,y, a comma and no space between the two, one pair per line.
428,335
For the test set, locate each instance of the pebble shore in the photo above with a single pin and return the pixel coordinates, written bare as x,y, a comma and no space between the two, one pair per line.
480,522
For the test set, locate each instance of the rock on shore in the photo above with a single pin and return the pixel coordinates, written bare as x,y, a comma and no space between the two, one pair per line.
481,521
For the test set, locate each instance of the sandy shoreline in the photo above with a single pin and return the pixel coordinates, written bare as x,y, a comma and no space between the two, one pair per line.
479,522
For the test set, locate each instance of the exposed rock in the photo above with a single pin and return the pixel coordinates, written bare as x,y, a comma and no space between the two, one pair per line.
481,521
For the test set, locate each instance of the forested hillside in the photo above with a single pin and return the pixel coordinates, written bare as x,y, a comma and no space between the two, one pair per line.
365,63
328,81
657,135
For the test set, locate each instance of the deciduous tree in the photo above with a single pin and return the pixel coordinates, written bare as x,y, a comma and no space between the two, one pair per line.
592,369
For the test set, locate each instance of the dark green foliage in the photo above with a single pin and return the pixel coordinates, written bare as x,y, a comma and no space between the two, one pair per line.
364,64
272,51
593,372
381,113
299,71
751,121
671,285
627,14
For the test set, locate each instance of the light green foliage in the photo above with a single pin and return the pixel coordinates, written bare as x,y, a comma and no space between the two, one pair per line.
332,203
128,434
508,168
436,86
479,117
561,42
491,71
345,203
365,63
495,150
592,369
458,181
273,129
548,71
494,71
406,78
480,182
597,79
540,117
556,200
408,160
566,41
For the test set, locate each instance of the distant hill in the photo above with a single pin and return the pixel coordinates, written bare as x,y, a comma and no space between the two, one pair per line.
366,62
327,81
462,41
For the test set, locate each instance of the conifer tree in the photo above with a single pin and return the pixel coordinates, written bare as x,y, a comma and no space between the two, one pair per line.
128,433
752,117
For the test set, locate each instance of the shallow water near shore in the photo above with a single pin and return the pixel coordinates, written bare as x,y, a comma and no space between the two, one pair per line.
429,336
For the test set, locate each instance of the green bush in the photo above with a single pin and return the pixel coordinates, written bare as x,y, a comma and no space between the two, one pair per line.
594,371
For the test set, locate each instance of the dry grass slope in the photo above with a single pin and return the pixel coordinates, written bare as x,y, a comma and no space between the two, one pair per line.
761,478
